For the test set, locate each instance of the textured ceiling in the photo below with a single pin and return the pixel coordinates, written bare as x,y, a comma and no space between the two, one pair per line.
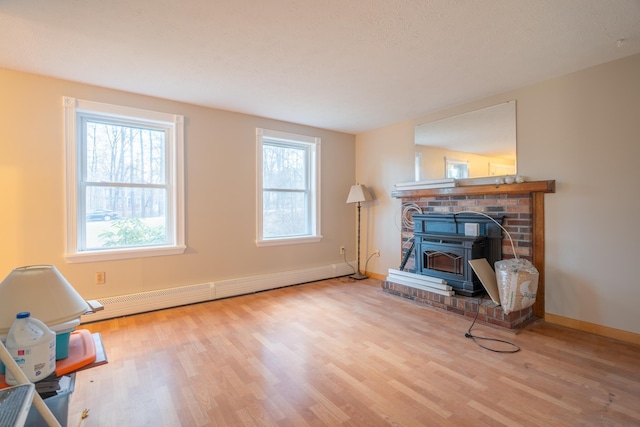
346,65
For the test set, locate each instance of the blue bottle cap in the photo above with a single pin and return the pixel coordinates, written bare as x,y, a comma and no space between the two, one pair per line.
23,315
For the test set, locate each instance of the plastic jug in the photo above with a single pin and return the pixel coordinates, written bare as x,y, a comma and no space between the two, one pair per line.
33,346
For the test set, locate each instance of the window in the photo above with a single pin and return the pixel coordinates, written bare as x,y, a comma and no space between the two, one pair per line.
457,169
288,188
124,177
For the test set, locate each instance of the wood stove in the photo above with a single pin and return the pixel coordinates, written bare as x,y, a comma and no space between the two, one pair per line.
446,242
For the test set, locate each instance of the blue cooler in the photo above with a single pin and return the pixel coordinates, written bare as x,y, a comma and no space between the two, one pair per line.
63,335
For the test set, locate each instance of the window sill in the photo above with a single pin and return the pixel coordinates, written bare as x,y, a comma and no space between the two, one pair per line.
288,241
110,255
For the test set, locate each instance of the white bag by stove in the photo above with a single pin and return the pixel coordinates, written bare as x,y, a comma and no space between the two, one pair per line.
517,283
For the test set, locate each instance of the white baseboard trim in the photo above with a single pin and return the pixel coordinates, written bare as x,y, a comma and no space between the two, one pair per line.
141,302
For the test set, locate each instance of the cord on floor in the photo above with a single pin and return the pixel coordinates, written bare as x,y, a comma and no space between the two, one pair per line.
515,348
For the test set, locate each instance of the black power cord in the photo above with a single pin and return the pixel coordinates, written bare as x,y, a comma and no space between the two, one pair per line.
476,338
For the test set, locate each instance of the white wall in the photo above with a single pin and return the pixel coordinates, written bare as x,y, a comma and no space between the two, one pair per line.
220,193
583,130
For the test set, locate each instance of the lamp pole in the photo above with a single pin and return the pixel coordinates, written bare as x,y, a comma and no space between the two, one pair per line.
358,193
358,275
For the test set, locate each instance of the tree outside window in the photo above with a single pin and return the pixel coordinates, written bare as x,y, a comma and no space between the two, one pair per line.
288,188
125,190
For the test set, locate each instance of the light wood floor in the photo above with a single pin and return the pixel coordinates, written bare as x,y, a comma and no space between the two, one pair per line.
340,352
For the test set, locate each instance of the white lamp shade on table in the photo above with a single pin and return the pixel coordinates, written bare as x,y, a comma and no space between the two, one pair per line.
42,291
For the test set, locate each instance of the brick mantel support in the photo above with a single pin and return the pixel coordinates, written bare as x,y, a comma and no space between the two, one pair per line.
473,197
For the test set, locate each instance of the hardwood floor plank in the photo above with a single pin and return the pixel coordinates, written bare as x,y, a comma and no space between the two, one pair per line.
343,353
549,398
325,407
628,409
493,414
517,407
420,398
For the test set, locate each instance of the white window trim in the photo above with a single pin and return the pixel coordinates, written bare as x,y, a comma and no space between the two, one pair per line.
455,162
315,143
176,176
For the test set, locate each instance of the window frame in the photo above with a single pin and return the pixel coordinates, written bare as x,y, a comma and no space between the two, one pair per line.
456,164
74,110
313,145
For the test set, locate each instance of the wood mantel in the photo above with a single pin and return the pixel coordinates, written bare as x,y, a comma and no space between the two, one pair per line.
489,189
536,189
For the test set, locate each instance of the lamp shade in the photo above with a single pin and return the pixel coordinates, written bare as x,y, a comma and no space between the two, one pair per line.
42,291
358,193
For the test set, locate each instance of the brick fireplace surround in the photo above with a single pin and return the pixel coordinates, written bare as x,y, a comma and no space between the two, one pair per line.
523,207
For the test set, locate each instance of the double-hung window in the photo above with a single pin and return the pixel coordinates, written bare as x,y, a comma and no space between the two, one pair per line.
124,175
288,188
458,169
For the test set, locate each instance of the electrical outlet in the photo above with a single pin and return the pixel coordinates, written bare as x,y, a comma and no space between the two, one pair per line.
341,250
101,278
377,252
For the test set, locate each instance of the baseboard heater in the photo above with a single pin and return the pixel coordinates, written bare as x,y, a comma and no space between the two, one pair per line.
141,302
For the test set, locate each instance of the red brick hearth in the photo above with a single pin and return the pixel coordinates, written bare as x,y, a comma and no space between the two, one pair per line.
466,306
523,208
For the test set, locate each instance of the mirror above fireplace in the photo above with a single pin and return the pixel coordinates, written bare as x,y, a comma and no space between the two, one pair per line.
476,144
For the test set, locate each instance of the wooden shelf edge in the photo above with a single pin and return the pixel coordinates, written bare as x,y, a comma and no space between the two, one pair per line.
548,186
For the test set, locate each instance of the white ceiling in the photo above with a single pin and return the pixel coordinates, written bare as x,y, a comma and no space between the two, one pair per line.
348,65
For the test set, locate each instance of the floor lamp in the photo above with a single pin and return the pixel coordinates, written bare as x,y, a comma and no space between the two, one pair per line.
358,194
